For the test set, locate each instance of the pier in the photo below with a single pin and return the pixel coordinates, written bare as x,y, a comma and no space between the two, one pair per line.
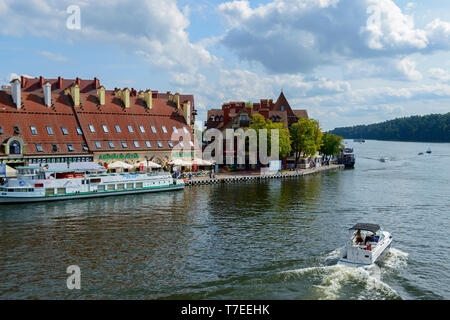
236,177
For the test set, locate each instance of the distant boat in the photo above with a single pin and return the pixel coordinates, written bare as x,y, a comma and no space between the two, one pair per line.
361,140
428,150
384,159
420,153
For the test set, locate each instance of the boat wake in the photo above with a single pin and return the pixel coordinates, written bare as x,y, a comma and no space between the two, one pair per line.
343,282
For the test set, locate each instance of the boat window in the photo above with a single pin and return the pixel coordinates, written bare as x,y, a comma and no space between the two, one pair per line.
101,188
111,187
130,185
120,186
61,190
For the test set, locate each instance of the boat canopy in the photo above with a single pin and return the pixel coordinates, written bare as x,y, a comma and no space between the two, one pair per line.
366,226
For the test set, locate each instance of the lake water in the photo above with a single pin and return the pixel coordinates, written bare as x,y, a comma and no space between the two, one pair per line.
255,240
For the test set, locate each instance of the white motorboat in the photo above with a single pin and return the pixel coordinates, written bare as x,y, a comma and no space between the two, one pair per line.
384,159
367,244
35,184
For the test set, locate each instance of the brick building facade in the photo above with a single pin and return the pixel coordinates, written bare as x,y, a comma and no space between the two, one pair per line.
62,120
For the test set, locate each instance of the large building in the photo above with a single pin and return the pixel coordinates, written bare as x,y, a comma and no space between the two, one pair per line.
62,120
235,115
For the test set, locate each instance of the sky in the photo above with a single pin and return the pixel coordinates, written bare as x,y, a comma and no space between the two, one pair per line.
347,62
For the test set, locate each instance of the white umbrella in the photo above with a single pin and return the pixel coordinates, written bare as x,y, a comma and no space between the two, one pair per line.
181,163
120,165
151,164
202,162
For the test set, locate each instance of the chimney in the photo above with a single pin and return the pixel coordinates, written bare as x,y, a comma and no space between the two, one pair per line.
96,83
74,91
148,99
187,112
78,81
126,97
177,100
60,82
101,95
41,81
23,81
16,93
48,94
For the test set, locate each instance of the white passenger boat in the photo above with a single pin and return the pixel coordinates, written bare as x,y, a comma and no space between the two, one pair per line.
367,244
35,184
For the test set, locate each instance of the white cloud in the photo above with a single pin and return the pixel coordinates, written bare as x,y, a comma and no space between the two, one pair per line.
288,36
53,56
439,74
154,28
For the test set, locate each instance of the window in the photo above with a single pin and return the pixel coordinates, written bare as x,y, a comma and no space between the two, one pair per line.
98,144
1,130
185,130
159,144
33,130
79,131
164,129
55,147
70,147
147,143
111,144
142,129
49,130
64,131
175,129
170,144
282,108
91,128
14,147
130,128
105,129
39,147
153,129
118,129
136,144
85,147
17,130
124,144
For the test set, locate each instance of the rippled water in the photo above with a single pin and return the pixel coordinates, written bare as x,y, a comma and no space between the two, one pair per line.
255,240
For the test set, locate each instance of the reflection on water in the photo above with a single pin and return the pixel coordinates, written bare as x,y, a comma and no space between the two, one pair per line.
275,239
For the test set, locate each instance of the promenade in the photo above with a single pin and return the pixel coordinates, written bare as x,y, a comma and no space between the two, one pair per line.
234,177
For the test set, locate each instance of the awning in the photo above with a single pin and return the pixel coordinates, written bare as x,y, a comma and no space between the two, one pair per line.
10,172
366,226
201,162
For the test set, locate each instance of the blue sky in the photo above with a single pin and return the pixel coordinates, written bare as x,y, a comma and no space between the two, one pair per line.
347,62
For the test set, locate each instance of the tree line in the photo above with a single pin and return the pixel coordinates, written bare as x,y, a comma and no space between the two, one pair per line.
303,139
429,128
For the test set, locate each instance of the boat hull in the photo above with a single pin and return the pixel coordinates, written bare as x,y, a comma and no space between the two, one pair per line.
18,200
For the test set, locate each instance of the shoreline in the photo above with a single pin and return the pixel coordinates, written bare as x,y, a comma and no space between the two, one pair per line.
256,176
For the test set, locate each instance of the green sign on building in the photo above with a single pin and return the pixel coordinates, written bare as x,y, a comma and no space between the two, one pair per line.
121,156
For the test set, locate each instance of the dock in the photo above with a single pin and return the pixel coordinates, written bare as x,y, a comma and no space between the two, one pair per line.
236,177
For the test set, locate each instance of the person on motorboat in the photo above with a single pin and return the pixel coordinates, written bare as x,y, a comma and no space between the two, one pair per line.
358,237
371,238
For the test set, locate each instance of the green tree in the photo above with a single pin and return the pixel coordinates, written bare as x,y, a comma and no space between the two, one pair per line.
331,144
306,138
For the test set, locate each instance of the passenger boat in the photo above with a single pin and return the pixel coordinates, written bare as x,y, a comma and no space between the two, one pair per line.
367,250
347,158
37,183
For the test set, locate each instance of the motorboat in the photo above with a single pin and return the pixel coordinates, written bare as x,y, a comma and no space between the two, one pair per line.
366,245
347,158
429,150
420,153
384,159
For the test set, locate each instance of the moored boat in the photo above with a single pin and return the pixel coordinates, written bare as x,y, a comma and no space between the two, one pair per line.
366,245
36,184
347,158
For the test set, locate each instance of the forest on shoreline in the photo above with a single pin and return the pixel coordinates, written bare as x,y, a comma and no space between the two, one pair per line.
429,128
